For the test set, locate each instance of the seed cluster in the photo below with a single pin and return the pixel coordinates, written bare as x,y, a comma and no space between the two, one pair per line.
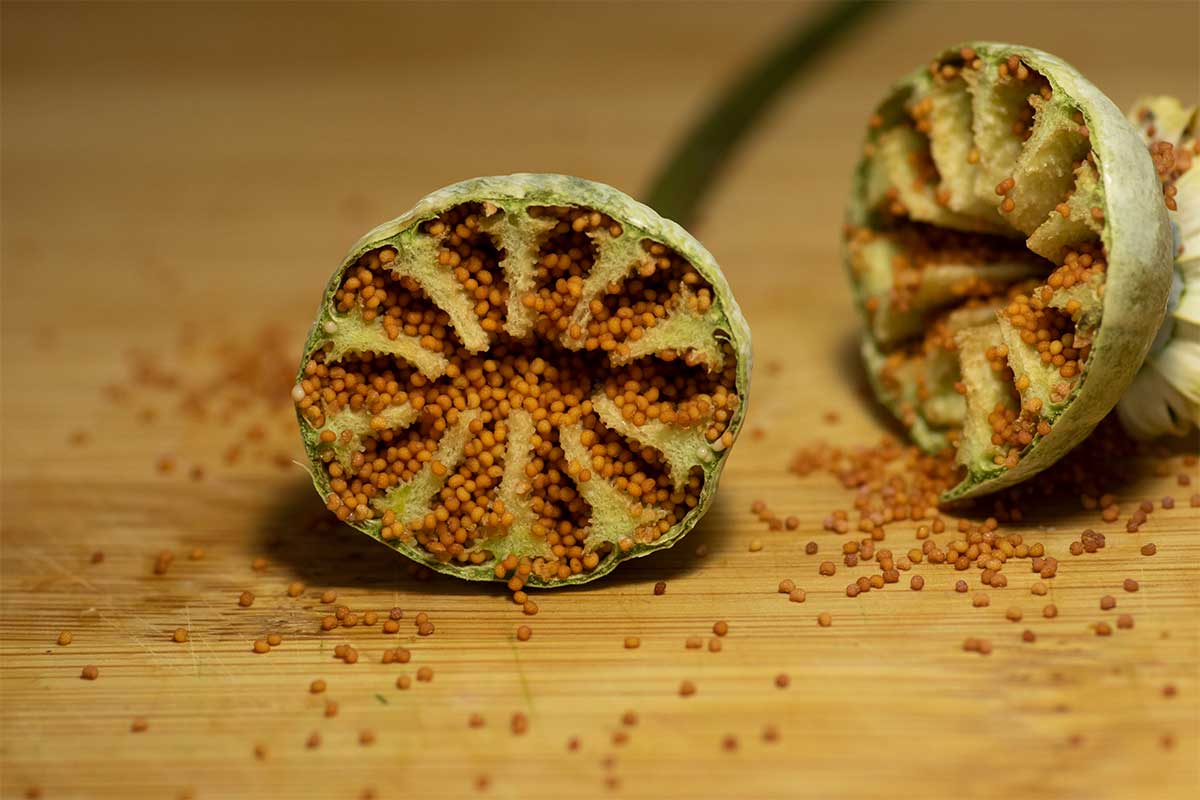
552,383
1050,317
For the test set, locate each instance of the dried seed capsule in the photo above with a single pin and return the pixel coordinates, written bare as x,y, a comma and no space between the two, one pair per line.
1011,253
527,378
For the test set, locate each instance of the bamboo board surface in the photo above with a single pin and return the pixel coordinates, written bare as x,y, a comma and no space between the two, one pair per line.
176,177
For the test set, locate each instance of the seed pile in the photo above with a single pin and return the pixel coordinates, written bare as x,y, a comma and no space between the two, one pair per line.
896,485
239,398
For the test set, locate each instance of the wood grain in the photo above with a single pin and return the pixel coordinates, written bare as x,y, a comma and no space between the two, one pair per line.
201,168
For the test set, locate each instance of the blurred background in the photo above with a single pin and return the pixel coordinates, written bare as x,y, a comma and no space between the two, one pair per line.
211,163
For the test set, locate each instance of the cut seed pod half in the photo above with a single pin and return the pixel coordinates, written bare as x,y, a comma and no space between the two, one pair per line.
1164,398
1010,251
527,378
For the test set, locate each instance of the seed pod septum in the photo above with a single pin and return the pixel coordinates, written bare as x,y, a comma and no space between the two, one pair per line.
527,378
1009,246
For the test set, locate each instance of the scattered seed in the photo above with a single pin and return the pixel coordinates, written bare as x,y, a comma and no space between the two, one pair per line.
632,642
797,596
180,636
403,682
139,724
425,674
1125,621
687,689
519,723
1149,549
90,672
824,619
1107,602
1103,629
916,583
162,562
660,588
246,599
65,638
1129,585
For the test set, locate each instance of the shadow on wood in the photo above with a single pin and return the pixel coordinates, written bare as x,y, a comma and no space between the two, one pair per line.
297,533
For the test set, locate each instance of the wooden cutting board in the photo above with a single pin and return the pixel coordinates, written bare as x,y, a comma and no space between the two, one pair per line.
180,180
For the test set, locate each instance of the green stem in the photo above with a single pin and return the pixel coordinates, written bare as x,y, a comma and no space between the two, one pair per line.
692,167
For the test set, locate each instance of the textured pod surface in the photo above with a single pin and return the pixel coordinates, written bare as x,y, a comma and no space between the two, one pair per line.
527,378
1011,256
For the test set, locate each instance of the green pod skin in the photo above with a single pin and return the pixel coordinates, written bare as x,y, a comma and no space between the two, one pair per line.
1134,231
721,329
